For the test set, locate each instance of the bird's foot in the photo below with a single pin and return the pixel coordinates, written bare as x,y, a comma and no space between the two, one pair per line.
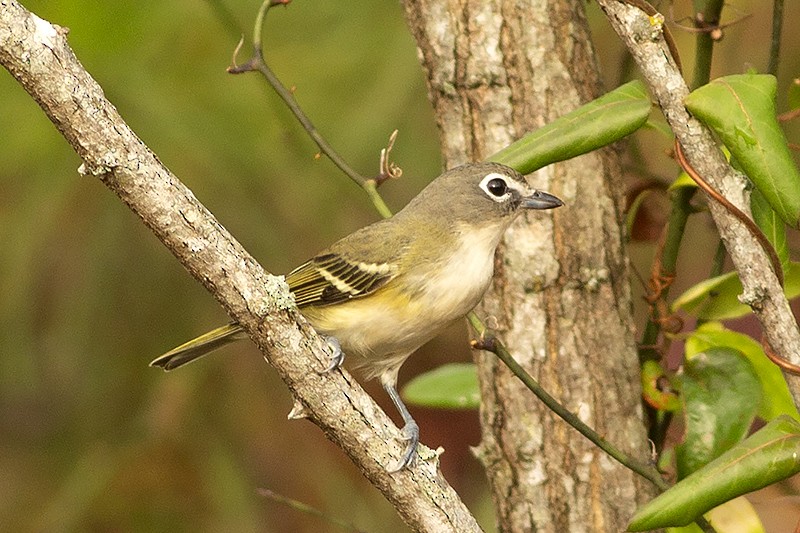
337,355
410,435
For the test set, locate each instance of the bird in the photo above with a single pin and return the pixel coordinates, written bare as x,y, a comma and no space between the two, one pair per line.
383,291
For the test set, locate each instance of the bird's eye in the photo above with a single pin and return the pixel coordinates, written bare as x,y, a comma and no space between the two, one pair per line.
497,187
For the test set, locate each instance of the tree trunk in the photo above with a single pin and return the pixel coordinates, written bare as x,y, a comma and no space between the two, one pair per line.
561,299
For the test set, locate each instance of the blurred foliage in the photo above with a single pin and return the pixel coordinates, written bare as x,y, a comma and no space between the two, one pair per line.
91,439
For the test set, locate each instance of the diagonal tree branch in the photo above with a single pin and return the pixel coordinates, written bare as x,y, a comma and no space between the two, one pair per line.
643,36
36,53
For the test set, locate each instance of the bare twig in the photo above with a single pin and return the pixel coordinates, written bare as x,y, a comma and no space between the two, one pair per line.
257,64
775,42
387,168
789,115
307,509
36,53
711,25
488,342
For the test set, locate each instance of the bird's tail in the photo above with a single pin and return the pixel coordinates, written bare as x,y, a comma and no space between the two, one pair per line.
200,346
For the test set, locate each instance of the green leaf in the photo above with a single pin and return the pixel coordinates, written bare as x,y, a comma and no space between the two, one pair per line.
735,516
683,180
596,124
633,210
769,455
777,400
696,299
718,298
771,224
741,110
653,388
453,386
717,415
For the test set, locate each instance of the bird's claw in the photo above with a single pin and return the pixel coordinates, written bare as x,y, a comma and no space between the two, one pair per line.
337,354
410,435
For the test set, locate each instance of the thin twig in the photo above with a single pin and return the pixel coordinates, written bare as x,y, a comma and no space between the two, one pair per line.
704,44
387,169
257,64
775,42
490,343
307,509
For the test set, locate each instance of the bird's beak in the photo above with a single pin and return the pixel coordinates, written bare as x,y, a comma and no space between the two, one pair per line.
540,200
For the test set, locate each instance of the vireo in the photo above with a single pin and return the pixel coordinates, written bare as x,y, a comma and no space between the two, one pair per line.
385,290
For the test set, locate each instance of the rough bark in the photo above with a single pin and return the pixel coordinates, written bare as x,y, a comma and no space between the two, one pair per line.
561,299
36,53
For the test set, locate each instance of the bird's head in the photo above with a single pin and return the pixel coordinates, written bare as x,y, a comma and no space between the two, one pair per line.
480,193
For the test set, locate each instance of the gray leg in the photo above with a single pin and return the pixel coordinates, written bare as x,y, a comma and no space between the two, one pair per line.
410,430
337,355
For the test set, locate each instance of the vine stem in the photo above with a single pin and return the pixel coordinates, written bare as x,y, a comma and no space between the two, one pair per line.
707,17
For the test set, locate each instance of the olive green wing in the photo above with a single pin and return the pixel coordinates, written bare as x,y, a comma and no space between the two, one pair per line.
353,267
330,278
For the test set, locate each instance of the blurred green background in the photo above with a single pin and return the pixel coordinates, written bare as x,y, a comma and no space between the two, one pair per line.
91,439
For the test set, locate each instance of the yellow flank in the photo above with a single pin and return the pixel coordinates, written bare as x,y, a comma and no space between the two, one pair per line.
376,331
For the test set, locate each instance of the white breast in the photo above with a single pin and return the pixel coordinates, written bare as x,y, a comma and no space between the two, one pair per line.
461,280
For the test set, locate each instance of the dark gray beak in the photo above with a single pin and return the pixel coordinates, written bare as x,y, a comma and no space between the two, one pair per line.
540,200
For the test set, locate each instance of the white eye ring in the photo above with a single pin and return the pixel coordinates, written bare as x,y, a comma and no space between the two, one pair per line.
497,186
